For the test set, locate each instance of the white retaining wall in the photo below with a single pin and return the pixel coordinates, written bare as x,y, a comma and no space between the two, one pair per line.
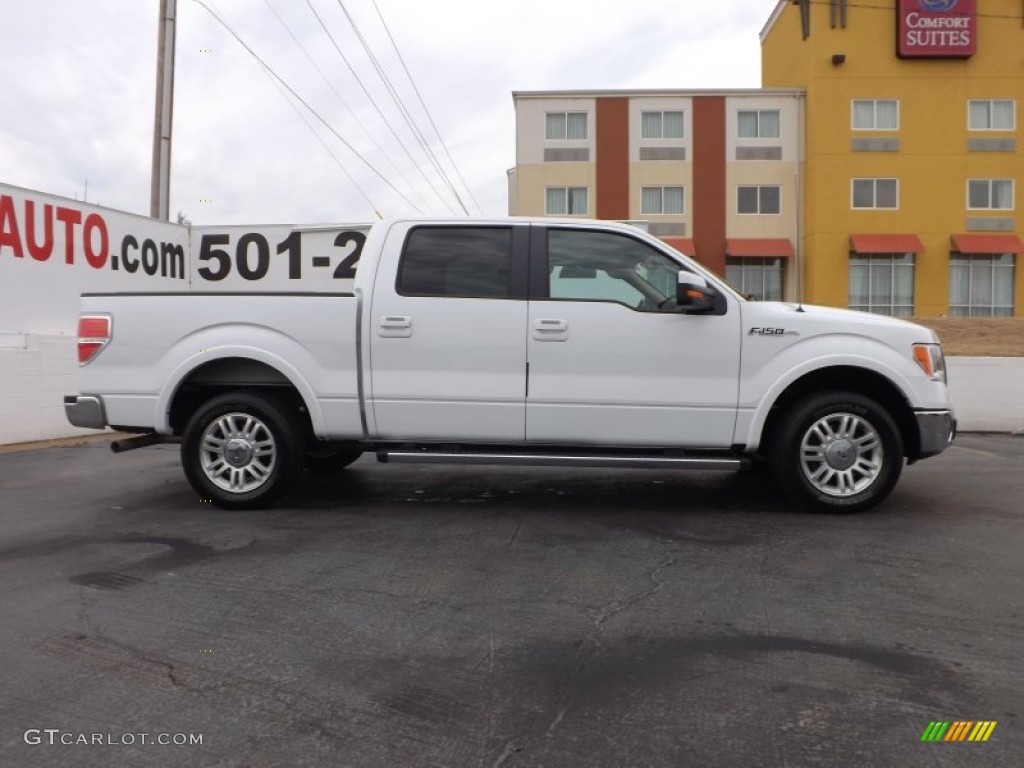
987,392
37,370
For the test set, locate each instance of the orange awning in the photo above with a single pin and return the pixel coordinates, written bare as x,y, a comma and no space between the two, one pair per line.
767,247
682,244
988,243
886,244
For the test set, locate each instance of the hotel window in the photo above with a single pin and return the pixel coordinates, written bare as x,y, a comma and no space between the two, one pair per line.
565,201
661,125
565,126
762,199
991,115
875,193
981,285
875,114
757,278
990,194
757,124
662,200
882,283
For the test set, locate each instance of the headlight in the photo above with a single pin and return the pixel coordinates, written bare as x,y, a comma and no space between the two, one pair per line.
929,357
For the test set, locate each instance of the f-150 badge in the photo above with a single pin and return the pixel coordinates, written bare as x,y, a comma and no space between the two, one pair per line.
755,331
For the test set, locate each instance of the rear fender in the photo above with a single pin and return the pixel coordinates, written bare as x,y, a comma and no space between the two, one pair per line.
193,361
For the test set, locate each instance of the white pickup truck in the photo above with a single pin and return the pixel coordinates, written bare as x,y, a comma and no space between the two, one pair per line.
545,342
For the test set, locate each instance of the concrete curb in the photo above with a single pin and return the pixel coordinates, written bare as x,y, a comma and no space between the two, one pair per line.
62,442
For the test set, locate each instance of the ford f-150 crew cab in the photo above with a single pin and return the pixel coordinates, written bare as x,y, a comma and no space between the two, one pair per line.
569,343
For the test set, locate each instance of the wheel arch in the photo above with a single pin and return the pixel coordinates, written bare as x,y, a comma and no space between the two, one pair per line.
192,385
848,378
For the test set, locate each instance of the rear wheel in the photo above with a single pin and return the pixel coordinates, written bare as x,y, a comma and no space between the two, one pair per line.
837,452
241,451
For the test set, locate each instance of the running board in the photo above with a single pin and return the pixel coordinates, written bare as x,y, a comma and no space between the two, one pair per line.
564,460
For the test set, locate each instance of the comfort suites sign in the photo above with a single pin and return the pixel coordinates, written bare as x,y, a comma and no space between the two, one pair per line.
936,29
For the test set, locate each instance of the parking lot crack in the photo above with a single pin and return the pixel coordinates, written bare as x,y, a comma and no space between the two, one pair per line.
511,748
618,605
515,533
557,721
83,612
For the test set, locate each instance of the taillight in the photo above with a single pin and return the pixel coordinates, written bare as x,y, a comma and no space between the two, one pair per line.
94,333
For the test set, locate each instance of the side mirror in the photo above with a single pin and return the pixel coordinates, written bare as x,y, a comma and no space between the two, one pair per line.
694,296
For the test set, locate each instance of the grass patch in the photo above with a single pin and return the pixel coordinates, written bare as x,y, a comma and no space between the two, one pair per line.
978,337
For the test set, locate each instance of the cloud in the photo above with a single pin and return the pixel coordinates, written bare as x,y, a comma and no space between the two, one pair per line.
77,99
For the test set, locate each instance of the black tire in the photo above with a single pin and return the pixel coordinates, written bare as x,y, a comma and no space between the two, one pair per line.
837,452
326,460
260,453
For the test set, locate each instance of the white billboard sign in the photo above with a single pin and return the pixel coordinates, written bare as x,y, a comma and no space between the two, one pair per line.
53,249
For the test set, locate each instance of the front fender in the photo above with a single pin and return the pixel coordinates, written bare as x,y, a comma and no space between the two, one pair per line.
764,378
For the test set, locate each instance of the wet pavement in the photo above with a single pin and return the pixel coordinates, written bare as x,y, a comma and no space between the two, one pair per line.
471,616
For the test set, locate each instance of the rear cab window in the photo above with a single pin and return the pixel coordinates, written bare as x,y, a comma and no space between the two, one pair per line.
457,262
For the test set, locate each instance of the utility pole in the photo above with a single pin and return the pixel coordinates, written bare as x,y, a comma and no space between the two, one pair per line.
160,190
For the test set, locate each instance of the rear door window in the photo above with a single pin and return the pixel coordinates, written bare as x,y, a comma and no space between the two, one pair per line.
457,262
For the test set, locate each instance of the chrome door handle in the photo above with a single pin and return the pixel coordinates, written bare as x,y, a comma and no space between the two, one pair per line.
551,329
550,325
394,326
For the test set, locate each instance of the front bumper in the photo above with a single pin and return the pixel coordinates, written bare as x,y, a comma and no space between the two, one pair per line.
936,430
85,411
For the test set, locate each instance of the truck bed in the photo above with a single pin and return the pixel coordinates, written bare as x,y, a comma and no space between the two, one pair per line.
310,338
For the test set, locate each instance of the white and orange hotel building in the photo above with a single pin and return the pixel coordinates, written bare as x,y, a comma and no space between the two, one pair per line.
716,174
881,167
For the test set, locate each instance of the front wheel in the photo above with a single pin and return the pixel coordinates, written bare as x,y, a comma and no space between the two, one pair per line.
241,451
837,452
327,460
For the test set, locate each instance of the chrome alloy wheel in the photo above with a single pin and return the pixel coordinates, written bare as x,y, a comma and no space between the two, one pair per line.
237,452
841,454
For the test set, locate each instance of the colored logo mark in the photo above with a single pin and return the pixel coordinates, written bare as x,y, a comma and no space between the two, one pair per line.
938,6
959,730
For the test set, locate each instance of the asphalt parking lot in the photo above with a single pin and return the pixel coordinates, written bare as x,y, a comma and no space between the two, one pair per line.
472,616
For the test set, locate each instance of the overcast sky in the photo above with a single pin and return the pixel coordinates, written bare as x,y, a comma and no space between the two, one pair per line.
77,89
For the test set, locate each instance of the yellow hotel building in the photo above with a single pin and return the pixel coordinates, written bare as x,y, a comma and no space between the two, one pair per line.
913,177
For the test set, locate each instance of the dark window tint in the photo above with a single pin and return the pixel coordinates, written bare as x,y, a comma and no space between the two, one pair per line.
467,262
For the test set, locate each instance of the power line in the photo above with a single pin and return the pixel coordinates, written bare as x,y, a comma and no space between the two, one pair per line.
423,104
376,106
344,103
402,109
304,103
324,144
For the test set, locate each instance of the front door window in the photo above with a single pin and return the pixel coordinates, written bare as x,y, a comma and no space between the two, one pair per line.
599,266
